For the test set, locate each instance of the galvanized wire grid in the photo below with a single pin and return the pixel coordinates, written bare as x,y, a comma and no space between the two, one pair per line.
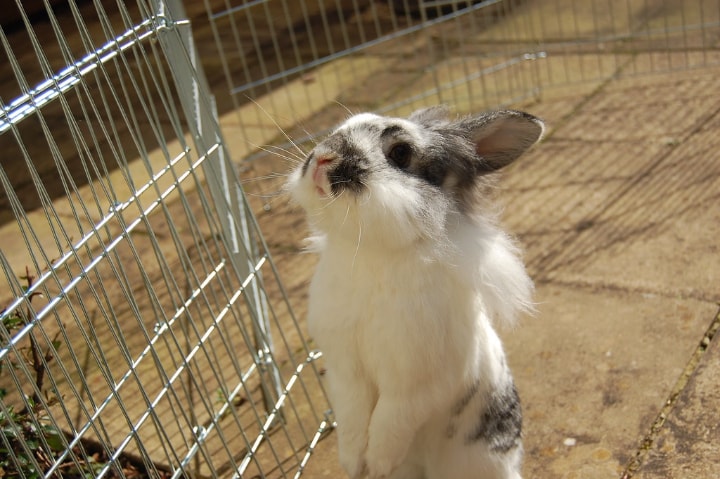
144,330
263,43
472,54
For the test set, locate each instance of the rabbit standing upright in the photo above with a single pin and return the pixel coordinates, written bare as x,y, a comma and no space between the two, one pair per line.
412,271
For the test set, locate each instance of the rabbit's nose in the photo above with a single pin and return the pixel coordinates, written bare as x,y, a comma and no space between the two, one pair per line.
320,171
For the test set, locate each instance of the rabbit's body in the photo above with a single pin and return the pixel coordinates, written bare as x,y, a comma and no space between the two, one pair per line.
411,270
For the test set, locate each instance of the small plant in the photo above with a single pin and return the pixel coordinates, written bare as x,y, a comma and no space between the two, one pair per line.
30,442
28,432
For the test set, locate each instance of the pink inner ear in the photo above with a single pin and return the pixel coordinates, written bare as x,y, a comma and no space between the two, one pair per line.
492,143
505,138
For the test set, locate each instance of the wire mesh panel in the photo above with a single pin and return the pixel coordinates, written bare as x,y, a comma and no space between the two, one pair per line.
144,330
393,56
263,44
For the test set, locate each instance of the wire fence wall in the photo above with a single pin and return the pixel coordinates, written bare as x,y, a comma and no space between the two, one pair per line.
144,330
406,54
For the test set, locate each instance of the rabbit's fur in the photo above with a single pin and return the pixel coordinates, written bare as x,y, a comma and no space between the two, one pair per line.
412,270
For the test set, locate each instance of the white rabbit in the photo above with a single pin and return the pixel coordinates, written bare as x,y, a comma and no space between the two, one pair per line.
412,270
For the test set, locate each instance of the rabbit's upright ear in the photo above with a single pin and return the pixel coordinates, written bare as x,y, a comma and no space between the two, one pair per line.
500,137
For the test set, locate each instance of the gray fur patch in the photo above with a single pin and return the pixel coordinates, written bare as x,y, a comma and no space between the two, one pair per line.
501,421
451,156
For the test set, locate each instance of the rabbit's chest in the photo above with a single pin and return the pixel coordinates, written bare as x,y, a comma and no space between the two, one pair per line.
360,299
390,310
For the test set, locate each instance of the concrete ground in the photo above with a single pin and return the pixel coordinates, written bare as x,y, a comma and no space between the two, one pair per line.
618,212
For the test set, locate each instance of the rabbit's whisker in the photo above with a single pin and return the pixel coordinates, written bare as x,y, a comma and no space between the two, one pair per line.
341,104
279,152
288,137
357,246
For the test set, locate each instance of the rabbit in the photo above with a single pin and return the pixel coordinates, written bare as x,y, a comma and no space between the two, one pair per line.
413,271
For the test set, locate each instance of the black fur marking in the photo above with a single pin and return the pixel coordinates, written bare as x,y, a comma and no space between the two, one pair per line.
501,422
391,131
352,169
448,156
307,162
348,175
434,173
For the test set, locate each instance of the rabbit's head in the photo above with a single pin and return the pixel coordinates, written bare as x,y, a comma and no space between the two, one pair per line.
390,182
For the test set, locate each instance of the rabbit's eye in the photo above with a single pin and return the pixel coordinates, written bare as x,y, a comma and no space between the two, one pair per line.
400,155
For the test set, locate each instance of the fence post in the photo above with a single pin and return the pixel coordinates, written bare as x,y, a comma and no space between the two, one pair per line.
200,112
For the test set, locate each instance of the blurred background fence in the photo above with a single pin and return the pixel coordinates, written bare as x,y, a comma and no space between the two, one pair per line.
145,331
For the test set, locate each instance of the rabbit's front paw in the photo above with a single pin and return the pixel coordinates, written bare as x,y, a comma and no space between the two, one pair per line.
353,464
381,462
351,450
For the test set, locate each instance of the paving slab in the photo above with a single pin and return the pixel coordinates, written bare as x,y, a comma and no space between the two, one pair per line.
623,191
686,446
593,369
568,19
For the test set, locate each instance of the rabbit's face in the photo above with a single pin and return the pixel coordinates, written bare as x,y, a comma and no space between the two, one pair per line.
397,180
368,150
371,181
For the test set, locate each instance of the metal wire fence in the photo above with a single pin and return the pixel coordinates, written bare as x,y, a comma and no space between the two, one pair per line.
393,56
145,331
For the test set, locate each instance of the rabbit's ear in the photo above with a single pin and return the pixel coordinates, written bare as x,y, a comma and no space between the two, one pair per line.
500,137
430,116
